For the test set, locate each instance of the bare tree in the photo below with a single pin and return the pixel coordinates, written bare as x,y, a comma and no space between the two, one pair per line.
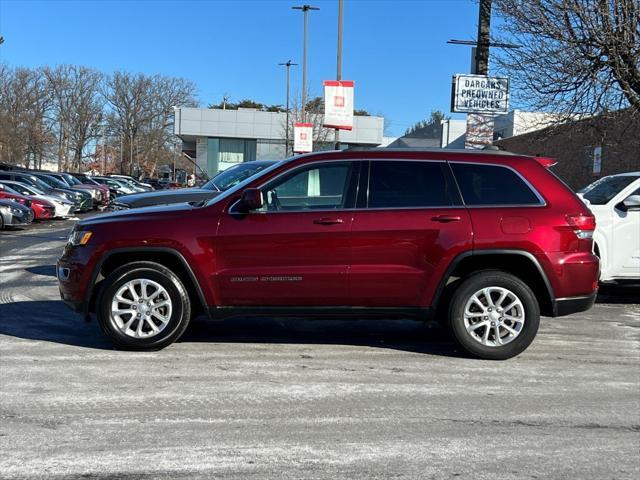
25,131
79,107
141,113
578,57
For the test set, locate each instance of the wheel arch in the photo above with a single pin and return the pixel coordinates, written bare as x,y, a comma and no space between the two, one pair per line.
167,257
519,263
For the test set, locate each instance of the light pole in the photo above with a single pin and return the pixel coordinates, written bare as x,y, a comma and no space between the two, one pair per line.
339,62
288,64
305,10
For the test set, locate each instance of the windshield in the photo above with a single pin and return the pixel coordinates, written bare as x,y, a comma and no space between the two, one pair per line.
602,191
244,182
36,182
10,190
71,180
234,175
52,182
24,189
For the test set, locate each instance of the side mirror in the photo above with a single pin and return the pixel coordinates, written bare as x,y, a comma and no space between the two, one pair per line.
632,202
251,200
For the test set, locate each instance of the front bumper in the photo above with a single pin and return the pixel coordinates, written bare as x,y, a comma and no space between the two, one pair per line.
569,305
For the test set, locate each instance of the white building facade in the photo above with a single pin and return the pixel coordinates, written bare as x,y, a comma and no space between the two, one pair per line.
218,139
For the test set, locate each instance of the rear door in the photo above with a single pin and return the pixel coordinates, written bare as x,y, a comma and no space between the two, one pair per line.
409,224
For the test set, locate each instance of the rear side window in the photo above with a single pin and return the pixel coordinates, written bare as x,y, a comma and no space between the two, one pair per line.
398,184
492,185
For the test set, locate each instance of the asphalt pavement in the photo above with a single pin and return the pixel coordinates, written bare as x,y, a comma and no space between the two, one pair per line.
290,399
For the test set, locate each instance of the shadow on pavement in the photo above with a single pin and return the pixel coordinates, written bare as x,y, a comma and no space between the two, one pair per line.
619,294
45,270
52,321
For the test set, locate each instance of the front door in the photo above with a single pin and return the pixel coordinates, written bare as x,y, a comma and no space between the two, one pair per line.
295,250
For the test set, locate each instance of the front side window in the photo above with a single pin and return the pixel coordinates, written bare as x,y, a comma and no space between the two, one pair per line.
404,184
492,185
316,188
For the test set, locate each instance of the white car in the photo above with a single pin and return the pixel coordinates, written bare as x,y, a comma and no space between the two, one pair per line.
615,202
64,207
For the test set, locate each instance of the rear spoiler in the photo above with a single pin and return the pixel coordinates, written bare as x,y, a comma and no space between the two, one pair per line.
546,162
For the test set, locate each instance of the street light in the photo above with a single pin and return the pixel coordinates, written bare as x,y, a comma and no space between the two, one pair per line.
305,10
287,64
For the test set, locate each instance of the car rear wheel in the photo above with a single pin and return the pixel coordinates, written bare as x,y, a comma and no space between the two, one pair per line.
143,306
494,315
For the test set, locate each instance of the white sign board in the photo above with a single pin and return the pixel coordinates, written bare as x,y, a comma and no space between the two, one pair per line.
338,104
480,94
302,137
597,160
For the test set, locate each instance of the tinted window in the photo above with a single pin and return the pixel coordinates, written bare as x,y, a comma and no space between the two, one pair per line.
492,185
399,184
317,188
602,191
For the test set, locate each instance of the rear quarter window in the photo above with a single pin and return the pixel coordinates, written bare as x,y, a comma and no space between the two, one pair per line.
483,185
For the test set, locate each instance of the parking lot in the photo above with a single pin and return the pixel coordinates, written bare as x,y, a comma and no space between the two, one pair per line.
306,399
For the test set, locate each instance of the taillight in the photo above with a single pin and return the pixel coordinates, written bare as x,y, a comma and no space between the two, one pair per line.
583,225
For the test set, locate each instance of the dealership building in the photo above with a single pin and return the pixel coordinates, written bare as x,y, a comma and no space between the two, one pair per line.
218,139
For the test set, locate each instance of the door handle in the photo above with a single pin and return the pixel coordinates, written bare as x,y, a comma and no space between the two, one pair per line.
328,221
446,218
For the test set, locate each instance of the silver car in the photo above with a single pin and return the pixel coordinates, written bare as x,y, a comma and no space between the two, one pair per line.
14,214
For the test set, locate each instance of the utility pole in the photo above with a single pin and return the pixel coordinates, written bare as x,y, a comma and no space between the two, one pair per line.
287,64
305,10
484,28
339,62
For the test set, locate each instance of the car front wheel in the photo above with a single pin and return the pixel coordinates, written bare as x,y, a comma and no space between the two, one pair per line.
494,315
143,306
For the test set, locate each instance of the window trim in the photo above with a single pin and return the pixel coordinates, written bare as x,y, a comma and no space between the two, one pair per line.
358,174
541,200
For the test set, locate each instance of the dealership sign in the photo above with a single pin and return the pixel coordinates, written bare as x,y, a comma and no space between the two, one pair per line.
479,94
338,104
302,137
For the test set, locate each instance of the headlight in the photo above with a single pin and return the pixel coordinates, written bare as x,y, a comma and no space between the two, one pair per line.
15,211
79,237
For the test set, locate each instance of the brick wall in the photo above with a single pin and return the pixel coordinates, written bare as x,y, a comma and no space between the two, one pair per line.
573,146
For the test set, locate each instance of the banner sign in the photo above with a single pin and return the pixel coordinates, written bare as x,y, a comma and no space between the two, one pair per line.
479,94
479,131
302,137
338,104
597,160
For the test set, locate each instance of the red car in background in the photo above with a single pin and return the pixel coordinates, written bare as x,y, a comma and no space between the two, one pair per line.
42,210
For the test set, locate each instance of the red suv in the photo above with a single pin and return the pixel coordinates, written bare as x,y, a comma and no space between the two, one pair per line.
488,241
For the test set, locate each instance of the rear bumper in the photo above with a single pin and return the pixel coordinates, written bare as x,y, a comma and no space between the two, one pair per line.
569,305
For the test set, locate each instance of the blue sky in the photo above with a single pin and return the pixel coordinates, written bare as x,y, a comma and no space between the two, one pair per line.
396,51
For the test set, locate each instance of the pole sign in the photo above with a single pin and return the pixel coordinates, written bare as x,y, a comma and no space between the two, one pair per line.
338,104
479,94
597,160
302,137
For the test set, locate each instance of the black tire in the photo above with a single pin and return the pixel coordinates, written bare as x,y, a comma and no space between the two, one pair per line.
1,222
467,288
178,319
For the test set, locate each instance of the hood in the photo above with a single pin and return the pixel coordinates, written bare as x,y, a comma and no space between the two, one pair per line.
163,197
137,214
11,204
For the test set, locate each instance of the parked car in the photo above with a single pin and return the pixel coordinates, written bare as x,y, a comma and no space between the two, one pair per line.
147,187
63,208
488,241
615,202
28,179
118,187
86,198
42,209
99,193
222,181
13,214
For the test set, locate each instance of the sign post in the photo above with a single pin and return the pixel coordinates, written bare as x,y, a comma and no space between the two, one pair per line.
302,137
